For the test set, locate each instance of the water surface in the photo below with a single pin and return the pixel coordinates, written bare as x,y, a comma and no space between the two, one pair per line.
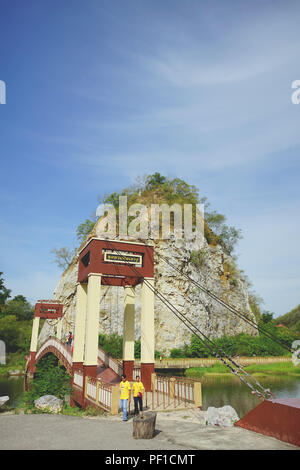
216,390
12,387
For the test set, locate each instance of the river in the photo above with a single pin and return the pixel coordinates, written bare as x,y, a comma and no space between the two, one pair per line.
12,387
216,391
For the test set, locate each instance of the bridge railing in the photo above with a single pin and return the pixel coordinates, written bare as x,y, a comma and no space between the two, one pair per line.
78,378
175,391
110,362
102,394
59,345
136,372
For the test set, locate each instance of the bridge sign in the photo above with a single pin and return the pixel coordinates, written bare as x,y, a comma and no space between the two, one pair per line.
48,309
123,257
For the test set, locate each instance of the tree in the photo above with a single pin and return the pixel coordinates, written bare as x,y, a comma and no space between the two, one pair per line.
19,307
85,228
4,292
226,235
10,333
155,180
51,378
267,317
63,256
113,199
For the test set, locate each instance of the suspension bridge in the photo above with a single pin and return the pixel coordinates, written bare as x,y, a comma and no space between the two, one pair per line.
95,375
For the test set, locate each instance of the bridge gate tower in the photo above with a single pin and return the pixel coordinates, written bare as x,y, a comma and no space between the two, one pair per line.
126,264
47,309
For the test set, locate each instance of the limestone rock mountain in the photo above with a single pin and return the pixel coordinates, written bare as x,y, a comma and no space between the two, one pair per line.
212,271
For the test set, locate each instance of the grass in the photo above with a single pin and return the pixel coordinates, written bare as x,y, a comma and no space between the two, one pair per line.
14,361
277,368
67,410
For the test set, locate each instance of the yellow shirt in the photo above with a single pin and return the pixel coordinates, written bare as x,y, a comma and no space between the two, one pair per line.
137,387
124,387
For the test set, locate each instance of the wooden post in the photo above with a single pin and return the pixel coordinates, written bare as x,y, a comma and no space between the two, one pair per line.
172,387
85,386
153,381
115,400
144,426
97,391
198,394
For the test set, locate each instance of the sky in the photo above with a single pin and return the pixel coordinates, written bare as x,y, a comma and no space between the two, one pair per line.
99,92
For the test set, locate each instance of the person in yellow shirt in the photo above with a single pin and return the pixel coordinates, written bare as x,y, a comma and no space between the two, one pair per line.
138,389
124,396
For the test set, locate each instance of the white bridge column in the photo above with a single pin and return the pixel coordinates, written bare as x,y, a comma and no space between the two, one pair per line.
80,319
33,344
59,329
34,334
147,332
92,325
128,332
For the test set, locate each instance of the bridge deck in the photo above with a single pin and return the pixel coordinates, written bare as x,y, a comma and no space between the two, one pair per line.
107,375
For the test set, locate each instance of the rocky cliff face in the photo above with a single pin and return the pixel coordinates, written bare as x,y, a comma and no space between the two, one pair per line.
209,316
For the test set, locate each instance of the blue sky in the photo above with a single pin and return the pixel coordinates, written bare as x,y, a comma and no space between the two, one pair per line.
99,92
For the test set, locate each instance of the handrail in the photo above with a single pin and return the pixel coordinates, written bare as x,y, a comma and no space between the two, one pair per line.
110,362
59,345
104,357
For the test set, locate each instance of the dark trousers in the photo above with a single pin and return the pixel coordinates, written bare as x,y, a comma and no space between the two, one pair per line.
138,403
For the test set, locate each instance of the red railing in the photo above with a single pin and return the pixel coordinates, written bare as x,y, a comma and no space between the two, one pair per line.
172,391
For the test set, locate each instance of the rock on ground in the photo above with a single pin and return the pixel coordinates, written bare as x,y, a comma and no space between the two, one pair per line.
16,372
225,416
3,400
49,403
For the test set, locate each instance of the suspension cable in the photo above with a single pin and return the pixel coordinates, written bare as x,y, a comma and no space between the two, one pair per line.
265,393
231,364
281,343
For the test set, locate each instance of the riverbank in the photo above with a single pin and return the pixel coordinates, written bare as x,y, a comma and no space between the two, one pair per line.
186,363
259,370
15,365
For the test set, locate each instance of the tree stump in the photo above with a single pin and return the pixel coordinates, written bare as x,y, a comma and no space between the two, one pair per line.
144,426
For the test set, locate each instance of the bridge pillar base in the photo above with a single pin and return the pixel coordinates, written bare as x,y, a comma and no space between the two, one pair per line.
31,364
128,369
146,371
76,366
90,371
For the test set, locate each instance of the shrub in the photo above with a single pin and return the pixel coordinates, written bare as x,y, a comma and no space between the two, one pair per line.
176,352
50,378
197,258
112,344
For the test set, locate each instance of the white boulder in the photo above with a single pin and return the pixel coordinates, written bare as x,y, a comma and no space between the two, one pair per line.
49,403
3,400
225,416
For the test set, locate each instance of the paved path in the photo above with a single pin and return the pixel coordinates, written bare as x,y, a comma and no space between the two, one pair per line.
175,431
